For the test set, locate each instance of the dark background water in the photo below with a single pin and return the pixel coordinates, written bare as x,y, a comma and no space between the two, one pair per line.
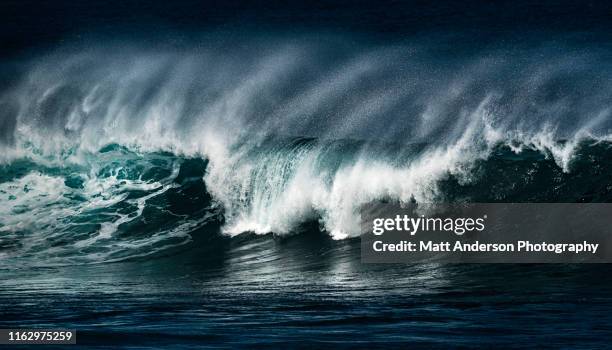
307,290
27,24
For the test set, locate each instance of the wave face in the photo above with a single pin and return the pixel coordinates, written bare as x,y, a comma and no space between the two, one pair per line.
117,152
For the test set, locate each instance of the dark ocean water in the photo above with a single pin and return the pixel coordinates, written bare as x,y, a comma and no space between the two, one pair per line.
296,292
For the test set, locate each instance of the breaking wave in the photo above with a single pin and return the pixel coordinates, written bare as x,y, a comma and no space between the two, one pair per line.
117,152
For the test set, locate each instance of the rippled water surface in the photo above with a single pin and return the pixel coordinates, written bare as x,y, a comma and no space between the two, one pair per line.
303,291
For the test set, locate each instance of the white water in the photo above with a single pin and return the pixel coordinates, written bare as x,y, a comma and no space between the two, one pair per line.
39,209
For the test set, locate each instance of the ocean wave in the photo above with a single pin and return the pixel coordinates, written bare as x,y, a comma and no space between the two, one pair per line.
127,205
275,133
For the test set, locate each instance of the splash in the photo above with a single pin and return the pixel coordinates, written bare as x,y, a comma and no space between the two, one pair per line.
293,130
